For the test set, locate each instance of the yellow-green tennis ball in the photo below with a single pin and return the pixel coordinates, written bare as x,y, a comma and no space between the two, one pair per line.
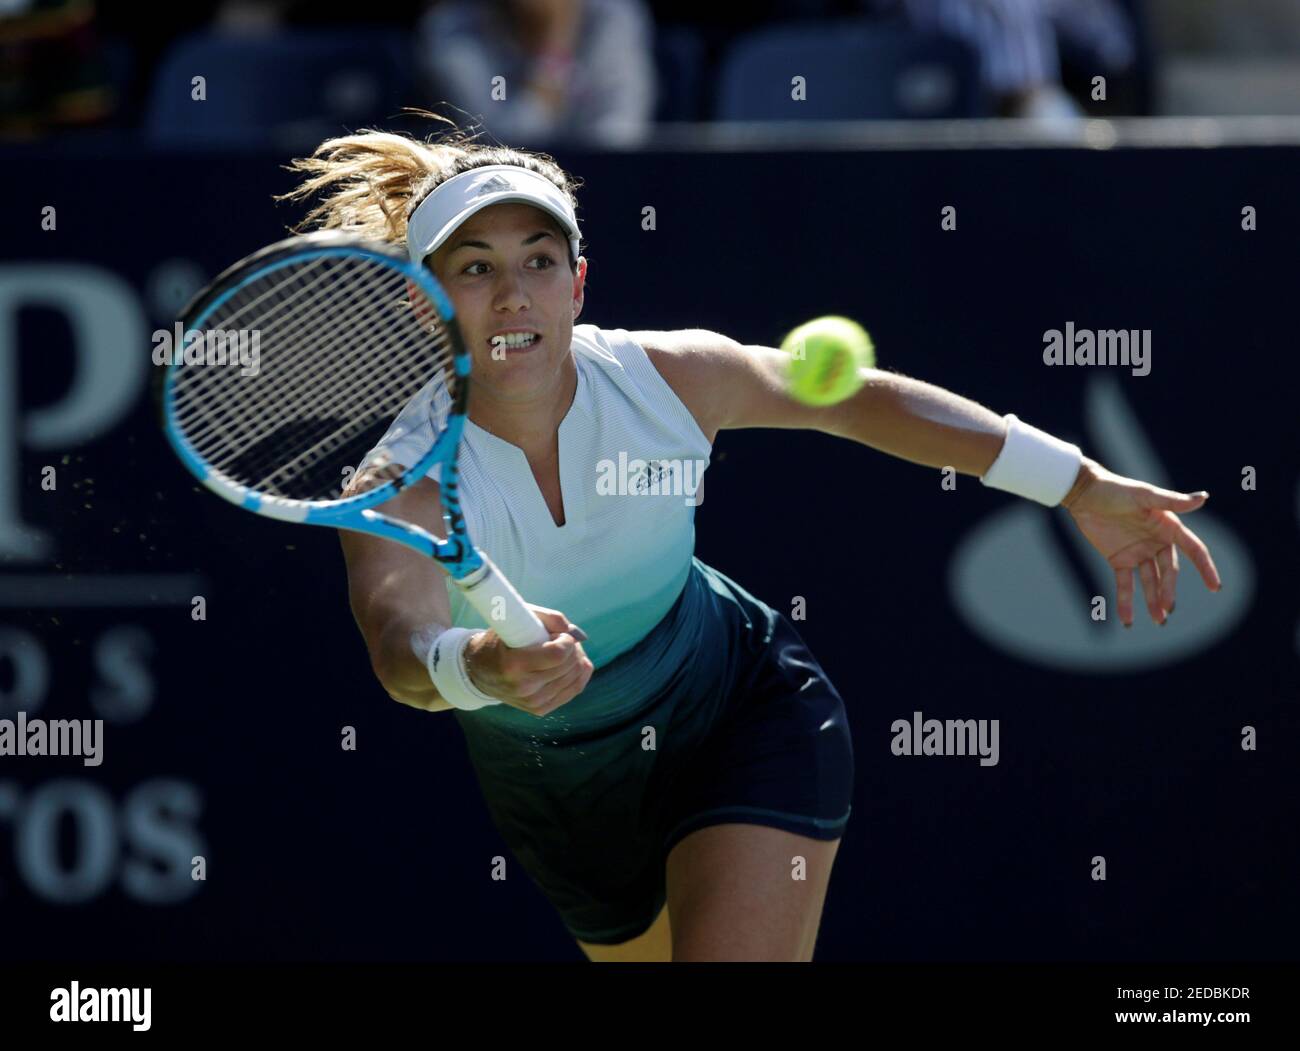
825,356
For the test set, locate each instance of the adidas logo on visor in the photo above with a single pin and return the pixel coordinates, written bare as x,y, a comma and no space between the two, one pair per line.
496,184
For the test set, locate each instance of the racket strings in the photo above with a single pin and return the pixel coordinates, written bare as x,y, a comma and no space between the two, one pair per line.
349,332
212,392
342,349
345,325
281,317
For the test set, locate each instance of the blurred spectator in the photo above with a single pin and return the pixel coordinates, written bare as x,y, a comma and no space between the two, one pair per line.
726,18
1020,43
53,73
570,70
153,30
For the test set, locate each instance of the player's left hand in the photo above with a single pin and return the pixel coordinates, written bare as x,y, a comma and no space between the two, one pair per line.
1134,526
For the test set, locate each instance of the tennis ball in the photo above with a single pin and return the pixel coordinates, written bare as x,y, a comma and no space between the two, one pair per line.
825,355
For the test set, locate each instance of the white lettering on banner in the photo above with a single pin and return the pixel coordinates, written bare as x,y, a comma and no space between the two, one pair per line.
111,372
147,844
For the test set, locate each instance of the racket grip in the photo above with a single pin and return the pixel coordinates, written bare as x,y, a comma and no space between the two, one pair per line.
489,592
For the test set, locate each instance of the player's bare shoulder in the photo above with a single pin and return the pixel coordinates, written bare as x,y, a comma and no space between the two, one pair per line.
727,384
689,360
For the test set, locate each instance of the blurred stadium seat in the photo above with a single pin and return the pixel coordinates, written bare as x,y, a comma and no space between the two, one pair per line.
123,72
679,61
855,70
288,89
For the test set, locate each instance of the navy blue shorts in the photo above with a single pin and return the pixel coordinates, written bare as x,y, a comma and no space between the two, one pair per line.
779,755
747,729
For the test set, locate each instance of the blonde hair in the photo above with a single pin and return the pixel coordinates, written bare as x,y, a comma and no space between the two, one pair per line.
372,181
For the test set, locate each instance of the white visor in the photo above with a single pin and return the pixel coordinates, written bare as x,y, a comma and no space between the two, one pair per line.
439,214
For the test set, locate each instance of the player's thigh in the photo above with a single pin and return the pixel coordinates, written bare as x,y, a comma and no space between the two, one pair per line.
747,892
654,946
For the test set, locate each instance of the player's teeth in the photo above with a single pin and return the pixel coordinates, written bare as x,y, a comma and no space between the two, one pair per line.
514,339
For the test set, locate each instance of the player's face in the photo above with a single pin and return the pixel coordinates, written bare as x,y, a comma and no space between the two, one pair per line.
506,270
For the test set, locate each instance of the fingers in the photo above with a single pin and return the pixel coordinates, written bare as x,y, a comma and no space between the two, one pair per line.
1167,499
557,623
538,679
1199,554
545,656
1159,577
543,698
530,681
1150,577
552,619
1167,567
370,477
1124,595
563,691
526,673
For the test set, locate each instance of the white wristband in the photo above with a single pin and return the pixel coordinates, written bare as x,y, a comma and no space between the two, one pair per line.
445,662
1034,464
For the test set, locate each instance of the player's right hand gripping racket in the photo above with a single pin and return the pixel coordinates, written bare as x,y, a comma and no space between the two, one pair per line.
348,333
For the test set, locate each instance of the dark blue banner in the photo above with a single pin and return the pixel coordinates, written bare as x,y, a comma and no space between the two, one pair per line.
213,657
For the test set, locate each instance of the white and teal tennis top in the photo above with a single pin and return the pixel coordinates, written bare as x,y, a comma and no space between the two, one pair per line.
632,460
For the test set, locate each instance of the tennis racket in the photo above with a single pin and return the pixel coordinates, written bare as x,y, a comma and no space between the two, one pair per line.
338,337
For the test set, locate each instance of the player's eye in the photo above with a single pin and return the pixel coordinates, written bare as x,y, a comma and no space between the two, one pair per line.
544,259
470,269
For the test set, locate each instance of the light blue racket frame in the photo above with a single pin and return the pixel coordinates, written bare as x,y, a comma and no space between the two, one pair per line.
472,571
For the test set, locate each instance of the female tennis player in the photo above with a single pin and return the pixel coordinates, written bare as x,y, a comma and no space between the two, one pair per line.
670,763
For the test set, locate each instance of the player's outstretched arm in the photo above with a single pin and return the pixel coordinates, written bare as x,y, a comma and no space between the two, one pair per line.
1133,524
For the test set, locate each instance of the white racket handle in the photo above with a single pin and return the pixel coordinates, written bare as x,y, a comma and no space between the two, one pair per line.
498,603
